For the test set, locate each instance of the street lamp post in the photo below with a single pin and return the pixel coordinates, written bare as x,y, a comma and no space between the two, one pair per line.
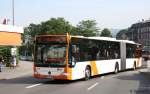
13,11
14,48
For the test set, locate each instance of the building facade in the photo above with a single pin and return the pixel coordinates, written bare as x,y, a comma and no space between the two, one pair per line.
10,35
140,33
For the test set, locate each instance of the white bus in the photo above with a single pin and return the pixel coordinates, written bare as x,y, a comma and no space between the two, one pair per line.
67,57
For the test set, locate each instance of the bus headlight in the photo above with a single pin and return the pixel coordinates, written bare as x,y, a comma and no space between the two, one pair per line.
65,74
35,72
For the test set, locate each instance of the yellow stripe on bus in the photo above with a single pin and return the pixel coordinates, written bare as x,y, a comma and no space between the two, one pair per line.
94,68
70,73
68,70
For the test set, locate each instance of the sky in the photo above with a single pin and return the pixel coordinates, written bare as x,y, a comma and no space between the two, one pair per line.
118,14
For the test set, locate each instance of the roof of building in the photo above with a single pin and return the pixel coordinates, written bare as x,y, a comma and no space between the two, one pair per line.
141,24
11,28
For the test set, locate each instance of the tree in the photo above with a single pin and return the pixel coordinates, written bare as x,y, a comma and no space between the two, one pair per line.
56,26
28,38
5,51
122,34
87,28
106,33
52,26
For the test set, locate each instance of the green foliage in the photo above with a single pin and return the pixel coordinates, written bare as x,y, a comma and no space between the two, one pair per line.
106,33
5,51
59,26
122,34
87,28
56,26
52,26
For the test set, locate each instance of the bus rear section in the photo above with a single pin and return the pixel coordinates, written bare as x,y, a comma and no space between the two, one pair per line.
130,55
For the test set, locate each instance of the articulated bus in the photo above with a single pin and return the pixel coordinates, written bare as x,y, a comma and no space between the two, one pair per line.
67,57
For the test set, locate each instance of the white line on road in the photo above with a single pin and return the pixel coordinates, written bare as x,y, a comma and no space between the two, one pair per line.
102,77
33,85
92,86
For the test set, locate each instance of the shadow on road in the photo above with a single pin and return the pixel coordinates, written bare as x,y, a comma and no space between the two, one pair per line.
32,80
143,80
61,82
22,80
144,85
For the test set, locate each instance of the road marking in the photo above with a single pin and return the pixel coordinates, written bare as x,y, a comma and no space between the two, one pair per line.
33,85
113,76
102,77
92,86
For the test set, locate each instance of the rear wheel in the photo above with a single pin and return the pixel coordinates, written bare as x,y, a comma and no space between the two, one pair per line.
116,68
134,66
87,73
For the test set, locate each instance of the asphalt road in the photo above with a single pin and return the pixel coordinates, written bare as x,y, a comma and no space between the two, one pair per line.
128,82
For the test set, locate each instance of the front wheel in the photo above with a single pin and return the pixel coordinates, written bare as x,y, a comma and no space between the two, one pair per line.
87,73
116,68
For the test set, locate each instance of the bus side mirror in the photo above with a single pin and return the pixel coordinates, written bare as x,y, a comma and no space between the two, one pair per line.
72,62
33,41
74,48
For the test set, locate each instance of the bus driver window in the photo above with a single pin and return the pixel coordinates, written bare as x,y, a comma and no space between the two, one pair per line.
75,53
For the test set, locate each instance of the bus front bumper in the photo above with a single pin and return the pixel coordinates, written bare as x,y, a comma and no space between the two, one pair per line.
63,76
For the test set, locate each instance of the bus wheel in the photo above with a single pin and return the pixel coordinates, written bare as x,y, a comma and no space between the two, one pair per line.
134,66
87,73
116,68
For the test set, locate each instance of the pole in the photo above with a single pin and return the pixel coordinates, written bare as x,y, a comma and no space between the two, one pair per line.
13,11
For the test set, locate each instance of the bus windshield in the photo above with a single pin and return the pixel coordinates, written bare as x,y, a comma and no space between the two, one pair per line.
51,54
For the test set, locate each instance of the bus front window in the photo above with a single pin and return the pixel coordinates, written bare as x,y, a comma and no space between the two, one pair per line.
53,55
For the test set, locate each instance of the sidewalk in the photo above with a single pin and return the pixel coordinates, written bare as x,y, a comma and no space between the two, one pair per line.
24,68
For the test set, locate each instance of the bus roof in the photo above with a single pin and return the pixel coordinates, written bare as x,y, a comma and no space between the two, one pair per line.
96,38
106,38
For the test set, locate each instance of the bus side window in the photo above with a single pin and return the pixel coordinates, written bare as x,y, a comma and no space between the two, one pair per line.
94,51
